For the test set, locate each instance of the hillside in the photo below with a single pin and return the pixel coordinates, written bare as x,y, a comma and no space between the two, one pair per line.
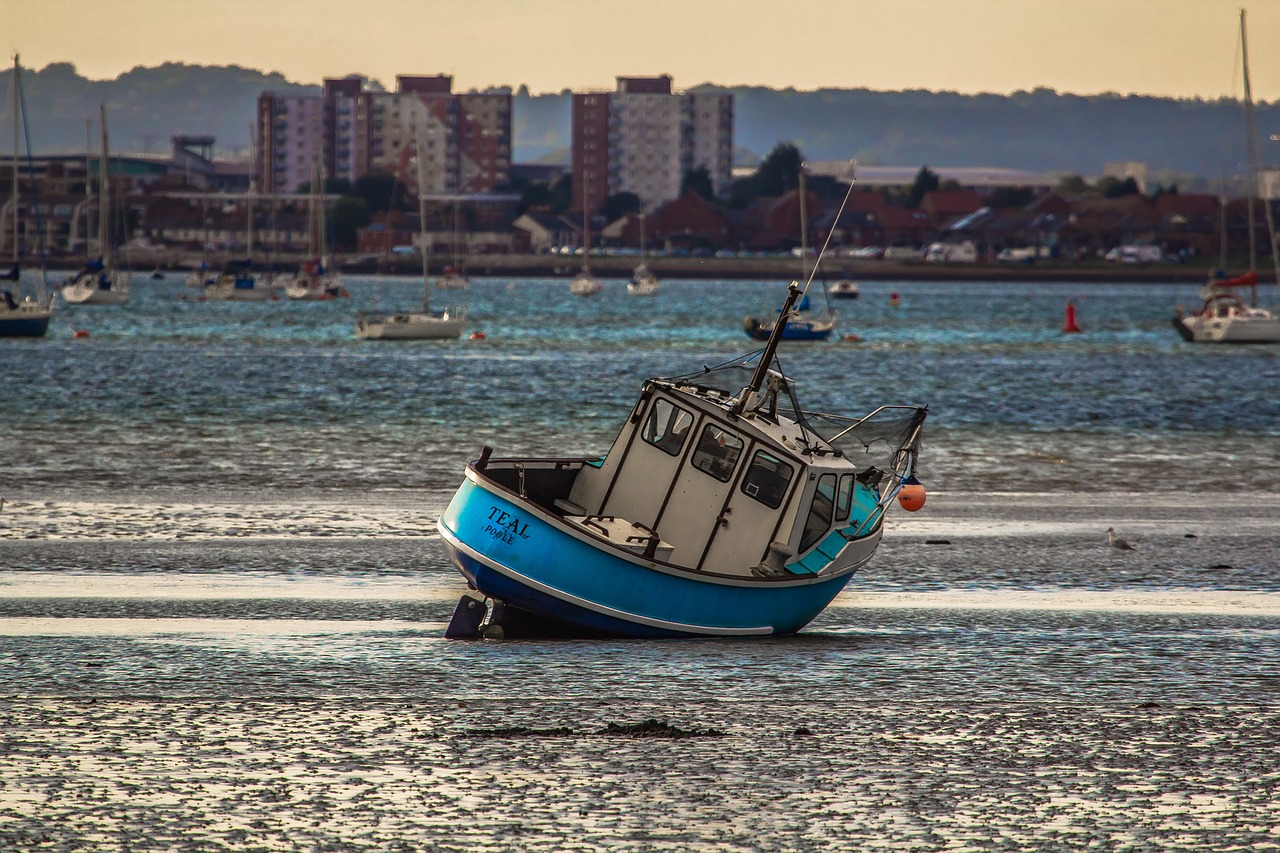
1042,130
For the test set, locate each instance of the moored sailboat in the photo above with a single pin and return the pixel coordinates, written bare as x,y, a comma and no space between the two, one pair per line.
643,281
99,282
24,313
800,323
1224,317
318,277
415,325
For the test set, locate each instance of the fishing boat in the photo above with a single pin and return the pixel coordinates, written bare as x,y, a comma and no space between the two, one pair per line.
24,313
318,277
1223,316
99,282
643,281
414,325
722,509
801,322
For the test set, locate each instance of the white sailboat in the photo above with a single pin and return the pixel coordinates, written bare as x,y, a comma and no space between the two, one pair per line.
1225,317
99,282
584,283
643,281
414,325
22,315
318,278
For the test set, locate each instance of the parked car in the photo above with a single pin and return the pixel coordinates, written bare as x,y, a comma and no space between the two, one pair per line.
1135,254
1017,256
901,253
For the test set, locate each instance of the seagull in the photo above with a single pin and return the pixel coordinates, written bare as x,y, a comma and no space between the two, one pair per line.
1116,542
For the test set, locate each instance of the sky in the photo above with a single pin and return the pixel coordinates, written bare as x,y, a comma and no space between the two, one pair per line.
1179,48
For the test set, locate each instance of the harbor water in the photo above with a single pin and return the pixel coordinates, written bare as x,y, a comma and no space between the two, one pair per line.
223,599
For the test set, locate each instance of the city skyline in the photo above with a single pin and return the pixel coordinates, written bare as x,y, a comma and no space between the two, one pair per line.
1176,48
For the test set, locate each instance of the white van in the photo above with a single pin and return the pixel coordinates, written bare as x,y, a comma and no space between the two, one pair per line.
952,253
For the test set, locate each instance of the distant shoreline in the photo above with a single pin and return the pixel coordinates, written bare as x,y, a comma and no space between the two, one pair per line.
620,267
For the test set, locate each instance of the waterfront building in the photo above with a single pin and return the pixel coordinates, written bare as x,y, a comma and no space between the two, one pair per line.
643,139
465,138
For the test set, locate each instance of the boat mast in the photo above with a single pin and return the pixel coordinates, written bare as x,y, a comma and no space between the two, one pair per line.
16,144
422,220
586,223
770,348
1251,147
104,190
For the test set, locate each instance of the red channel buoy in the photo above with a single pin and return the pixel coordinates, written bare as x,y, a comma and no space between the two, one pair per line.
476,336
911,497
80,333
1070,326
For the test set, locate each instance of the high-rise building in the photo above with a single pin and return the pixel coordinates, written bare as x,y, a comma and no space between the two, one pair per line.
643,138
464,138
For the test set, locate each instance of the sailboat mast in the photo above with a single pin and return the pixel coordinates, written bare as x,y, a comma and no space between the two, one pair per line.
16,144
586,223
104,190
1251,148
804,229
422,222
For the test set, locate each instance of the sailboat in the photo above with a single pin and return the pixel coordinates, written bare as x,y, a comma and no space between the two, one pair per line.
414,325
722,509
202,276
23,314
643,281
454,278
584,283
318,278
237,281
99,282
801,323
1224,317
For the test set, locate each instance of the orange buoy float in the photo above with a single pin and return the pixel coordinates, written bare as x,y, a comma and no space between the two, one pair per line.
911,496
80,333
476,336
852,339
1070,327
894,299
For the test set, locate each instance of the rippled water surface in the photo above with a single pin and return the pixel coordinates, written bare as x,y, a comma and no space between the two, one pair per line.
222,598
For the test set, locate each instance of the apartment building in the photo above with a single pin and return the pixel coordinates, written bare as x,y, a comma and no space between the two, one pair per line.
465,139
643,138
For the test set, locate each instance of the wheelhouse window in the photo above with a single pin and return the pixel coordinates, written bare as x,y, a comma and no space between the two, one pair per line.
767,479
844,498
717,452
819,520
666,427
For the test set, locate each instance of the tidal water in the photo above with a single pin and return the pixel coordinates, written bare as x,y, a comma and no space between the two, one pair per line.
222,597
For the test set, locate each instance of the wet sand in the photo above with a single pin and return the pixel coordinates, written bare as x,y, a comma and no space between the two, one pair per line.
997,679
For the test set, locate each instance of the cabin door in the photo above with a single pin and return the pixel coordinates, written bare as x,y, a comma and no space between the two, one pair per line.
652,462
692,514
751,516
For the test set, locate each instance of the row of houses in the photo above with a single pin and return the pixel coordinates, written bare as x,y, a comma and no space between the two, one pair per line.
172,208
1062,226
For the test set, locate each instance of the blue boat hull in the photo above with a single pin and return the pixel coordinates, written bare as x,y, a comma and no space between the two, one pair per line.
521,555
